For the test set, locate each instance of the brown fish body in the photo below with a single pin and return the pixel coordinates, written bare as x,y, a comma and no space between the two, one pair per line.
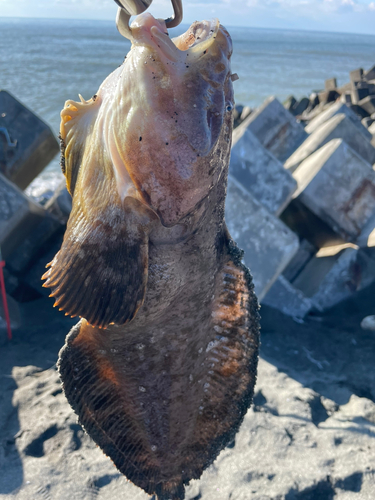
161,371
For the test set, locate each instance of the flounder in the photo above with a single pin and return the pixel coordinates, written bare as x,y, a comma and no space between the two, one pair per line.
162,365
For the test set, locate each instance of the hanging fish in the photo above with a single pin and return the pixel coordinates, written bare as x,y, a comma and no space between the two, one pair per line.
162,365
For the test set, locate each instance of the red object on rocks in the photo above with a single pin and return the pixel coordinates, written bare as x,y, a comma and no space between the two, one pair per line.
5,303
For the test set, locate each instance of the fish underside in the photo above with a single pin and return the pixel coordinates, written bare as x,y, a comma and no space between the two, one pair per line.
162,365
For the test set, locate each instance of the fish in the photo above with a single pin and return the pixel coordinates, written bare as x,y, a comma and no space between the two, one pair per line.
162,364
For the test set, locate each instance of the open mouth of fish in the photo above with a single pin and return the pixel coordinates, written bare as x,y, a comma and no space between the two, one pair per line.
200,35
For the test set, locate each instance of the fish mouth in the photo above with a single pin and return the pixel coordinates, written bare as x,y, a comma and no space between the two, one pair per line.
147,30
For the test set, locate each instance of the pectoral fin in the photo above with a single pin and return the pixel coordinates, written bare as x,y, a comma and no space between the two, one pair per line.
77,124
100,273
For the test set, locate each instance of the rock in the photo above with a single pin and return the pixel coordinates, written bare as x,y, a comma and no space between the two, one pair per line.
276,129
328,96
372,129
28,143
368,323
330,84
337,127
18,216
284,297
338,186
368,104
335,274
335,109
268,244
260,172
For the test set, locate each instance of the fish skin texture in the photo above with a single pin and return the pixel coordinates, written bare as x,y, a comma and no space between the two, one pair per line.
161,367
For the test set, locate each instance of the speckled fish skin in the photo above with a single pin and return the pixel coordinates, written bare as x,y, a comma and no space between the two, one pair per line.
162,366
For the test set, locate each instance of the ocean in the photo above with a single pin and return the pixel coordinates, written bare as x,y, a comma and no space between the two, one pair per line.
44,62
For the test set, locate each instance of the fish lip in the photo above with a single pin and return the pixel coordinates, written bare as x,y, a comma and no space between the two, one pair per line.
147,30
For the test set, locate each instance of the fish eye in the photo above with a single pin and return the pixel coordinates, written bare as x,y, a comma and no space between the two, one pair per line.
229,107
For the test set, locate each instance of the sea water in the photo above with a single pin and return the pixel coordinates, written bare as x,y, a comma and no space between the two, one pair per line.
44,62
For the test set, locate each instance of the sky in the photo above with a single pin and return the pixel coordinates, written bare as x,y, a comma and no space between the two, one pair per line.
351,16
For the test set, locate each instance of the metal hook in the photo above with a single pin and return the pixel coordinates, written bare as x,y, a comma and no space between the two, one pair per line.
128,8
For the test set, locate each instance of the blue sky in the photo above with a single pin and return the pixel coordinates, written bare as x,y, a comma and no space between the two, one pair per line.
352,16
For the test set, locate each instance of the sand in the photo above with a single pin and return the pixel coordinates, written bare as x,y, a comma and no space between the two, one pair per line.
309,436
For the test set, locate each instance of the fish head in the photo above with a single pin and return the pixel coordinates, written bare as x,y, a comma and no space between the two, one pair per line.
172,115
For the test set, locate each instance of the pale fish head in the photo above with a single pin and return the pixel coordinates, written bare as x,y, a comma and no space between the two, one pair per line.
171,115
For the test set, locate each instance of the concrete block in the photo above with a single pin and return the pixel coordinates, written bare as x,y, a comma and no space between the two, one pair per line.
60,204
288,299
330,84
367,237
289,102
338,186
313,111
268,244
15,315
368,104
347,87
362,113
346,98
300,106
305,253
19,215
370,74
360,91
260,172
34,244
308,226
334,275
27,144
335,109
337,127
328,96
356,75
367,122
276,128
246,112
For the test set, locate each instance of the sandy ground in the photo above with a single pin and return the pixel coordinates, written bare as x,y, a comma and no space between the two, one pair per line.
309,436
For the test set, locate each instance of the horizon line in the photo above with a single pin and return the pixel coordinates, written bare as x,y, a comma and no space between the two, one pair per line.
79,19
